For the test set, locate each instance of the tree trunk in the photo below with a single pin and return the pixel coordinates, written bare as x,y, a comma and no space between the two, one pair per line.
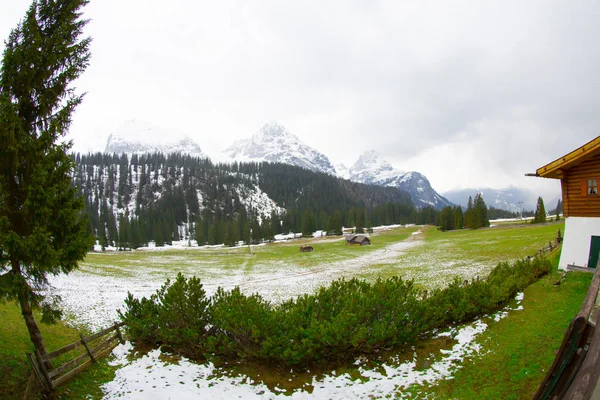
34,332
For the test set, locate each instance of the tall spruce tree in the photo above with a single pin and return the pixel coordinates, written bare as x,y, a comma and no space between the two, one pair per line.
458,218
480,212
469,214
360,221
41,228
446,222
540,212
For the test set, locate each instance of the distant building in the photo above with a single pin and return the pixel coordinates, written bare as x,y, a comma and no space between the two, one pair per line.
579,174
360,240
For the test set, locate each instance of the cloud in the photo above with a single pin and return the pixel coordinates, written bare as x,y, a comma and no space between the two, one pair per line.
493,88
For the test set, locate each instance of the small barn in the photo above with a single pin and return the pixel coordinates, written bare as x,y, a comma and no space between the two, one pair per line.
579,174
358,240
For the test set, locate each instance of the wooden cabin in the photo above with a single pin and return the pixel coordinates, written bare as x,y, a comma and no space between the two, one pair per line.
579,174
359,240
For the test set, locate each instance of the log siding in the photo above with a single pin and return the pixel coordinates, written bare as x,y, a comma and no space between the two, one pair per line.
576,201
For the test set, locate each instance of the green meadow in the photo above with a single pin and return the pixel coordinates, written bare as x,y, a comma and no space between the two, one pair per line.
515,351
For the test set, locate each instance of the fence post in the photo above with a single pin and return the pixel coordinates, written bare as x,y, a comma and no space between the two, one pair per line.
119,333
38,374
87,347
44,371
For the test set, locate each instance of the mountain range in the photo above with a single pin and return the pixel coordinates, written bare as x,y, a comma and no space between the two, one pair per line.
511,199
274,143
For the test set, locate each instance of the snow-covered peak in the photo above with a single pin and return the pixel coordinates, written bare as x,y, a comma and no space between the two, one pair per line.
137,137
273,132
274,143
342,171
371,167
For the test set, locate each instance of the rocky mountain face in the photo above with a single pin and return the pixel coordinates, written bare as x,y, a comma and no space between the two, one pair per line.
274,143
138,137
508,199
372,169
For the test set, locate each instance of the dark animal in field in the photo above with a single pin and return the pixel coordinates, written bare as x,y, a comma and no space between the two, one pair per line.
306,249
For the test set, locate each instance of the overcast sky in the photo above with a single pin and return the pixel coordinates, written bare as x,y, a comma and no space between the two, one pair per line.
469,93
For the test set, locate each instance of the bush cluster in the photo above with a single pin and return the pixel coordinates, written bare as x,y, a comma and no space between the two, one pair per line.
347,318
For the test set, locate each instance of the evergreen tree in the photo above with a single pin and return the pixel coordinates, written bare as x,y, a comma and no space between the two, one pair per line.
123,233
446,222
246,232
307,225
360,221
256,232
200,233
230,238
157,234
480,213
369,224
458,218
41,229
335,225
469,223
275,223
212,234
540,212
267,229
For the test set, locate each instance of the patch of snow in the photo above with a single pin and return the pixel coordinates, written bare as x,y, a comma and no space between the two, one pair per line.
150,376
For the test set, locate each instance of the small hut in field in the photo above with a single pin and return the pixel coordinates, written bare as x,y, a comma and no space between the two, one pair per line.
357,240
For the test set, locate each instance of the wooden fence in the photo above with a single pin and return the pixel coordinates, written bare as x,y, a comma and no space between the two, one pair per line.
95,348
576,368
552,245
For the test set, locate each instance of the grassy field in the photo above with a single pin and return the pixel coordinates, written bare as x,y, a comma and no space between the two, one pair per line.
515,351
15,369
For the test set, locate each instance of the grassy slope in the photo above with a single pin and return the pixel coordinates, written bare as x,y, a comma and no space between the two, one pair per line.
15,369
517,351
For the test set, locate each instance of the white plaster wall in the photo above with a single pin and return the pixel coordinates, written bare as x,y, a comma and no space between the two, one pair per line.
577,237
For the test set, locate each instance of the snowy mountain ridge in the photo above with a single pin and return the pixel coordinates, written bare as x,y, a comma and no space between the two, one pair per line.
139,137
372,169
510,199
274,143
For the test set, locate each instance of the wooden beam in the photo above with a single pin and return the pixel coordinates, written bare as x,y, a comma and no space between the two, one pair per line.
550,170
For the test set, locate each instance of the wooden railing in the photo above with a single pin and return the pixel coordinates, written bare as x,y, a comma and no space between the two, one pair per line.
574,373
552,245
95,348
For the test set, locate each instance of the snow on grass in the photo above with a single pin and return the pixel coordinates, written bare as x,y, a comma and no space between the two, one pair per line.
92,295
153,375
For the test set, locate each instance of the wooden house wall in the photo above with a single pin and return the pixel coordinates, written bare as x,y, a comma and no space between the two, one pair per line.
576,201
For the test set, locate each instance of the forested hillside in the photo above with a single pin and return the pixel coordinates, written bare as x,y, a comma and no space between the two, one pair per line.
133,200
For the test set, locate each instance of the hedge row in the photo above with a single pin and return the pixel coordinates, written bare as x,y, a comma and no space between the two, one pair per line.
347,318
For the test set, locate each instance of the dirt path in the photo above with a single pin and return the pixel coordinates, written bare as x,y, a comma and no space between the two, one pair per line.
290,281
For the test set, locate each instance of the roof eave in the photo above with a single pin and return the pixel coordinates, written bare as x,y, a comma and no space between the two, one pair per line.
556,168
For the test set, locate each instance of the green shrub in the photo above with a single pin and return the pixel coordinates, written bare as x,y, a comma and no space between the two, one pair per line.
342,320
241,323
177,315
